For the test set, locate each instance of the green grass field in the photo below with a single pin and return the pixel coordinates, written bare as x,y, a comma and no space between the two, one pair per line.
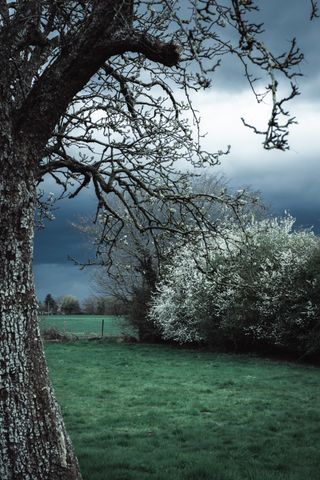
85,325
160,413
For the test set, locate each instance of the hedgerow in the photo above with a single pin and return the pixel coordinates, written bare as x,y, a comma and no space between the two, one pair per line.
251,287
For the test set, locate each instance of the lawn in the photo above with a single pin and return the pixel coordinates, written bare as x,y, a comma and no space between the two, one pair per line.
159,413
85,325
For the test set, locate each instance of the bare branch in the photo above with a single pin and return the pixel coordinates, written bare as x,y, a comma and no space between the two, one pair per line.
314,9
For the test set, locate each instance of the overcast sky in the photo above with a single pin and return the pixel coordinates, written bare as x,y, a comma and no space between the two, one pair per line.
287,180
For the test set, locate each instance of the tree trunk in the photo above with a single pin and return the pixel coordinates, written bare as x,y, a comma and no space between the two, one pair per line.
33,442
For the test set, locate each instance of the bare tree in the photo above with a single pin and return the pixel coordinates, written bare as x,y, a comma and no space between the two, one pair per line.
94,92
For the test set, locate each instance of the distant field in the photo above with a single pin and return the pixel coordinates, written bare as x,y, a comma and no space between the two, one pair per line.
144,412
85,325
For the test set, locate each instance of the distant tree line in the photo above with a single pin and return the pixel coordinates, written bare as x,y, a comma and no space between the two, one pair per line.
103,305
70,305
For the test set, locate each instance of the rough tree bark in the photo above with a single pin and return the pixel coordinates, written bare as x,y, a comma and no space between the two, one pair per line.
33,442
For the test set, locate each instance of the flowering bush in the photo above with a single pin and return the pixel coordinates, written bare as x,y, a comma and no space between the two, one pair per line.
258,285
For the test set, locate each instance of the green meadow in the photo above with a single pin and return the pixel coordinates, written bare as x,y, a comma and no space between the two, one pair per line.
153,412
85,325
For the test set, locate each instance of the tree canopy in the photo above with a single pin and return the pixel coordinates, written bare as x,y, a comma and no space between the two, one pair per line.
102,91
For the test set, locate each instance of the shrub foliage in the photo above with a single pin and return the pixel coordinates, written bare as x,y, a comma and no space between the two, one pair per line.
256,286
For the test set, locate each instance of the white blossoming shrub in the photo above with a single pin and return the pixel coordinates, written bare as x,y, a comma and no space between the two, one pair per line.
174,309
259,287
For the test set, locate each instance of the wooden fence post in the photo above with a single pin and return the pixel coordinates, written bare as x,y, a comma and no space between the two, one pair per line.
102,327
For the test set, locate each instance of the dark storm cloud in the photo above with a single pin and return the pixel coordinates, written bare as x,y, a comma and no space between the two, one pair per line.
54,272
60,239
290,186
61,279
